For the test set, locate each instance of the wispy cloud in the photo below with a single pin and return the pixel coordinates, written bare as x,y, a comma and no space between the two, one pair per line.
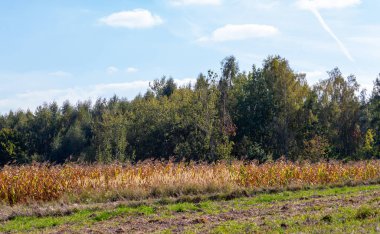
132,70
342,47
315,5
314,76
30,100
138,18
236,32
111,70
195,2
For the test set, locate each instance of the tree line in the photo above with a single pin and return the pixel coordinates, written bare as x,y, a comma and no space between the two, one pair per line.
264,114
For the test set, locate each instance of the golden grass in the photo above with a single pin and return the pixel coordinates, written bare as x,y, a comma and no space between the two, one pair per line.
44,182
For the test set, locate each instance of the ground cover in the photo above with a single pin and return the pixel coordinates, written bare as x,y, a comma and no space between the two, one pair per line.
338,210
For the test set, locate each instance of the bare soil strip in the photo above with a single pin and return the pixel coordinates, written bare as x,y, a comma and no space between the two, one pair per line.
257,214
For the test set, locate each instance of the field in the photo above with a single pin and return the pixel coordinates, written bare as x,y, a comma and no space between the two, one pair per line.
337,210
168,197
96,183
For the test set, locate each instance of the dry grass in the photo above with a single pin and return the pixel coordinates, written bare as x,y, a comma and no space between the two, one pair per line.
43,182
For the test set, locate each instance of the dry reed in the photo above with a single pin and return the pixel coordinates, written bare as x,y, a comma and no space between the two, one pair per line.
43,182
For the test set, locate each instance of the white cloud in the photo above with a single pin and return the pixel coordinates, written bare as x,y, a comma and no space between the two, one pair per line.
185,81
104,89
195,2
327,4
236,32
60,74
32,99
342,47
138,18
132,70
112,70
314,76
315,5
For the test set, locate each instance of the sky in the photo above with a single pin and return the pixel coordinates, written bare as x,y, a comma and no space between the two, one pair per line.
57,50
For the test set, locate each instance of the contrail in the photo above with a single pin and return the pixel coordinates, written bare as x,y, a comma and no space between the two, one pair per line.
332,34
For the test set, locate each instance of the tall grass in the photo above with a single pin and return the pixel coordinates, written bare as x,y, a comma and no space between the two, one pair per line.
44,182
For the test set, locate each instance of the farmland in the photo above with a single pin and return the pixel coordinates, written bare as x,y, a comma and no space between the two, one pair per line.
182,197
189,116
332,210
150,179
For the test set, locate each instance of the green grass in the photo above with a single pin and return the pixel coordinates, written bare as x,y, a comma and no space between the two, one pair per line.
340,219
122,210
29,223
235,227
365,212
209,207
287,195
345,220
183,207
79,218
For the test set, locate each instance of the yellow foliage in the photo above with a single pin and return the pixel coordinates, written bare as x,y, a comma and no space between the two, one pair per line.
44,182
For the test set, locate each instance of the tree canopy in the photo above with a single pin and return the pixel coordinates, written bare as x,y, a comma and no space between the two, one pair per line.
263,114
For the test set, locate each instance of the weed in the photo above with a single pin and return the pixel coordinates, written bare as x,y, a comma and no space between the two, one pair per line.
364,212
97,183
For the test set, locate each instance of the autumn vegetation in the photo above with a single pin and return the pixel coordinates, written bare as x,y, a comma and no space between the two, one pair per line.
263,114
229,131
90,183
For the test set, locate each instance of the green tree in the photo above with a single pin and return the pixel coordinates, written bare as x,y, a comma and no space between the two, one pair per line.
11,148
7,146
268,107
339,110
110,138
374,109
163,87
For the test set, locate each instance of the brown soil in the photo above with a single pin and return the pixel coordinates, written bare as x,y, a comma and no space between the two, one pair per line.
257,214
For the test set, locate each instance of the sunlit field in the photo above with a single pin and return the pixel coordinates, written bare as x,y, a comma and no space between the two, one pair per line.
153,179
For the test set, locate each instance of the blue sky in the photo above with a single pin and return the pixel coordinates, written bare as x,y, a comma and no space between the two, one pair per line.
56,50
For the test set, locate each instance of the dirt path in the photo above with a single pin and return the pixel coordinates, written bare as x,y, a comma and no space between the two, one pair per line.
258,214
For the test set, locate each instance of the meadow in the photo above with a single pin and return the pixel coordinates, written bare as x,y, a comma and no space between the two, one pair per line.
346,209
71,183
